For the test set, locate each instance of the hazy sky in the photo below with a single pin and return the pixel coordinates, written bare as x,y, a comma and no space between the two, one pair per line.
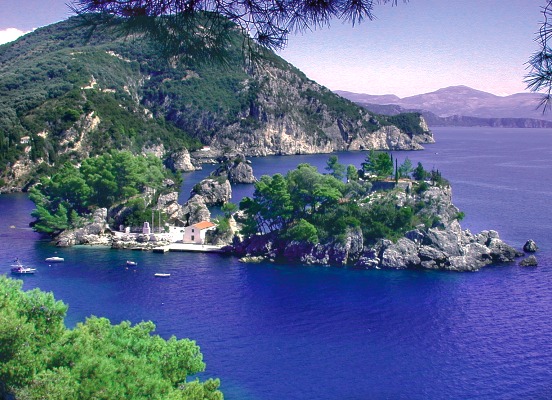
410,48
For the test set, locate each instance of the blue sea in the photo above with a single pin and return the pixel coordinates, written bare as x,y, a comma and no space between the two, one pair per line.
273,332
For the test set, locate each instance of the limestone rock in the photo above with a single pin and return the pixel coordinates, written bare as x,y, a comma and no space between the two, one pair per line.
501,252
530,246
215,191
251,259
445,240
168,203
195,210
530,261
400,255
474,257
180,161
369,259
236,168
95,233
241,173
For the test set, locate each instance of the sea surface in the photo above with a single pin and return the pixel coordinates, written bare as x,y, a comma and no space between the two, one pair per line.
274,332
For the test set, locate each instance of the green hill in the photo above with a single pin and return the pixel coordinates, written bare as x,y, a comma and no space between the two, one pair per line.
67,95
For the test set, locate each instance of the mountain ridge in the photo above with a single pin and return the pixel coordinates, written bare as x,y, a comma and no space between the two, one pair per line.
461,101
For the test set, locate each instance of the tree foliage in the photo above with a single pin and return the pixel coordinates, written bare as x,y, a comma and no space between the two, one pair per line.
308,206
336,169
539,78
173,23
405,169
378,163
115,177
40,358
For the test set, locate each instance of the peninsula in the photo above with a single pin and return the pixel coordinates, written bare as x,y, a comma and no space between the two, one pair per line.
383,215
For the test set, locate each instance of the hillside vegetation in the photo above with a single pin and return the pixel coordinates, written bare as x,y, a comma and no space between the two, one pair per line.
67,94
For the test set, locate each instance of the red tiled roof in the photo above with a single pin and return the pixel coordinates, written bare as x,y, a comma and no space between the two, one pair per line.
203,225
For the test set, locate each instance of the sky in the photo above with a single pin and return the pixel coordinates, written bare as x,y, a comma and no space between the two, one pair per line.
411,48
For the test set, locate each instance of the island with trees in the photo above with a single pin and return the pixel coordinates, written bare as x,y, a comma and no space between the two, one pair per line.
385,216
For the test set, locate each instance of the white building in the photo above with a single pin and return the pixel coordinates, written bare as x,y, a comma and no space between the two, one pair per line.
196,233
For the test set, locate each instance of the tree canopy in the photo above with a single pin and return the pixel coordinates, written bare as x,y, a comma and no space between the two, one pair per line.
40,358
308,206
267,22
115,177
539,78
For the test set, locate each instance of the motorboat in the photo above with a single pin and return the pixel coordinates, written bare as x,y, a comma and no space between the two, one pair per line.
55,259
20,269
161,275
131,263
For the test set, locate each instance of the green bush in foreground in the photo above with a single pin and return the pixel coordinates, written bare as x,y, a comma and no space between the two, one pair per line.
41,359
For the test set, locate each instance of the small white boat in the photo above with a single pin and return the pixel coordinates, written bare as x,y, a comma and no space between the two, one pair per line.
55,259
131,263
20,269
161,275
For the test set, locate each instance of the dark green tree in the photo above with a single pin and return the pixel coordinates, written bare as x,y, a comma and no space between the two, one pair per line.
539,78
352,173
228,209
335,169
378,164
303,231
405,169
269,23
419,172
103,181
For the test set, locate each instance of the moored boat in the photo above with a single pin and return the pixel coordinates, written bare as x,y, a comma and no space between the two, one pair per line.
131,263
19,269
55,259
161,275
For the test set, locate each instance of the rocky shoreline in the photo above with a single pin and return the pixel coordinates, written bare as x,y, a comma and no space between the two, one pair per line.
445,246
451,249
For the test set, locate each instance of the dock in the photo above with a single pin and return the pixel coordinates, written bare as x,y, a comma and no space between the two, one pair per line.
201,248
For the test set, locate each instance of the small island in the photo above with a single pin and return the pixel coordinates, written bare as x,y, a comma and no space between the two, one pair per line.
385,216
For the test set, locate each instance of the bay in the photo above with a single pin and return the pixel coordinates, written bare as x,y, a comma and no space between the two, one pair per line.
296,332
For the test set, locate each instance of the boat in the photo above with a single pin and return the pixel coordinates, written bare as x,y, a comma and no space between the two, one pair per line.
55,259
20,269
131,263
161,275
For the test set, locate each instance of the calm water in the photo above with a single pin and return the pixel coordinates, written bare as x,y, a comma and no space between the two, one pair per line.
284,332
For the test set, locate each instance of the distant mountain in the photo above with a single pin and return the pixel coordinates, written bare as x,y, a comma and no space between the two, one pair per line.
433,120
461,101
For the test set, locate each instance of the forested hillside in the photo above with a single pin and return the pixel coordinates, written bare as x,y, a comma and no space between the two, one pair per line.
67,93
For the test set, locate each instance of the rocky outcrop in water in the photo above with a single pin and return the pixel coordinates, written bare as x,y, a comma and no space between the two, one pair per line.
530,261
445,246
95,233
181,161
451,249
195,210
530,246
213,190
236,168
